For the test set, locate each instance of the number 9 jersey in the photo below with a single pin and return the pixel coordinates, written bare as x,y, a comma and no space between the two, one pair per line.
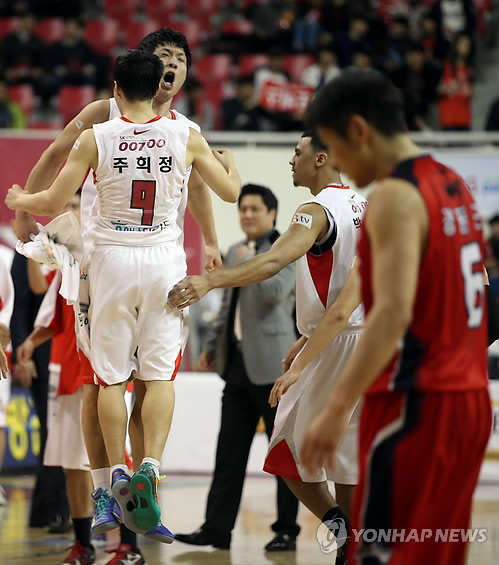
445,346
140,177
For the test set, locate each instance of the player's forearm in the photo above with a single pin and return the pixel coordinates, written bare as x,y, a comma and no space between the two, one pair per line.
44,172
383,331
40,335
199,204
331,325
40,204
257,269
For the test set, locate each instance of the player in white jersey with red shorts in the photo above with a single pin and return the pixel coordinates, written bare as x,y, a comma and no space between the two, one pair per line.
322,239
138,255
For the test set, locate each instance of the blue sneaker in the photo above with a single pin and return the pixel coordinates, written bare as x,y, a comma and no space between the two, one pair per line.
125,499
144,483
160,533
103,520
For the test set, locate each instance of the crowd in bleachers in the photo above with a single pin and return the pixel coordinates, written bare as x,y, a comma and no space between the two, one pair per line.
256,62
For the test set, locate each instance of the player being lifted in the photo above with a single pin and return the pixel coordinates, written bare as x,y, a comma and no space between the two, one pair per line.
141,162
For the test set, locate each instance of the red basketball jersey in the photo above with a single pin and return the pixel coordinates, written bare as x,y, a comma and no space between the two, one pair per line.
445,346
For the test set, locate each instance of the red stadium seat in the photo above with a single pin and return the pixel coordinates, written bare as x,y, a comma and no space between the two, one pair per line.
7,25
50,29
248,63
102,35
23,95
237,27
211,68
296,64
135,32
72,99
121,10
161,10
192,30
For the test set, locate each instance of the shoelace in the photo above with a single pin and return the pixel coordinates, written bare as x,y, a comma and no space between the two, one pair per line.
76,549
121,552
102,502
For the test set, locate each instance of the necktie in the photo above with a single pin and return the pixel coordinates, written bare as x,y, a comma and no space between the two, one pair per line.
237,315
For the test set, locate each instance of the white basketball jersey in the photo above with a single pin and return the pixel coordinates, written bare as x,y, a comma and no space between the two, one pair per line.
140,177
322,272
90,201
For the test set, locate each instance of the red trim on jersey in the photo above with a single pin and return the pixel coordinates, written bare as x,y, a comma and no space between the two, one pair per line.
341,186
100,381
321,267
155,119
173,115
177,365
280,462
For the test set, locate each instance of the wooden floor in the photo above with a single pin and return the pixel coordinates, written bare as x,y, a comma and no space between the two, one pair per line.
183,502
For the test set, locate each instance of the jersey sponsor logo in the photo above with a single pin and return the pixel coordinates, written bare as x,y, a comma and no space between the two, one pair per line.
137,132
123,226
302,219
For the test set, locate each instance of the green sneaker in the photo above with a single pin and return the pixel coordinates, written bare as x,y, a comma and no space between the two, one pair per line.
145,487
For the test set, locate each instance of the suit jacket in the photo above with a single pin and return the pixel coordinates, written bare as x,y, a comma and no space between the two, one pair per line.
267,320
26,305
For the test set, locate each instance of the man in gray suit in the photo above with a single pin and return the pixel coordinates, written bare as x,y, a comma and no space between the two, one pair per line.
246,345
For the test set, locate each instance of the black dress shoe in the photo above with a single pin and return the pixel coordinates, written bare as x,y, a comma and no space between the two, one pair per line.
60,525
281,542
202,537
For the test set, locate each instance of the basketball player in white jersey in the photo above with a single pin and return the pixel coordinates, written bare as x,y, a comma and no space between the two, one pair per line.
142,162
322,239
172,48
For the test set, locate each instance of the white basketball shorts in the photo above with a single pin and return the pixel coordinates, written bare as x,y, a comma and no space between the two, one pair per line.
65,445
300,405
131,326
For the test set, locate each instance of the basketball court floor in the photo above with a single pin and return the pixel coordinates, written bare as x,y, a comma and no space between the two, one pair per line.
183,503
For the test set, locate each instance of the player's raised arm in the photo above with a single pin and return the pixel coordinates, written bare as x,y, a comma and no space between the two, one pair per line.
294,243
200,206
217,168
45,171
51,201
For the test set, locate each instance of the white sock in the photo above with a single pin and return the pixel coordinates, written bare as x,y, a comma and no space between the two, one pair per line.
122,467
154,463
101,478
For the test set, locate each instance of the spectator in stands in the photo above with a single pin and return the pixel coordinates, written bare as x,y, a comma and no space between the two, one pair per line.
71,58
362,59
195,106
356,38
454,17
306,28
396,45
273,24
23,54
417,80
434,45
325,69
272,71
455,87
492,123
243,113
11,114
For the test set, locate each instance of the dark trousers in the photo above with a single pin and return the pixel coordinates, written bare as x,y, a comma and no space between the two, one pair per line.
49,494
243,403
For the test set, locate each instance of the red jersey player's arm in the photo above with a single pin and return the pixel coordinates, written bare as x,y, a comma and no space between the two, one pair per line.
38,336
397,227
45,171
49,202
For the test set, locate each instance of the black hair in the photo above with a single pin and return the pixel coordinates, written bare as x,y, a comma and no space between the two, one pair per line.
315,141
494,220
166,36
245,79
366,93
138,74
267,195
